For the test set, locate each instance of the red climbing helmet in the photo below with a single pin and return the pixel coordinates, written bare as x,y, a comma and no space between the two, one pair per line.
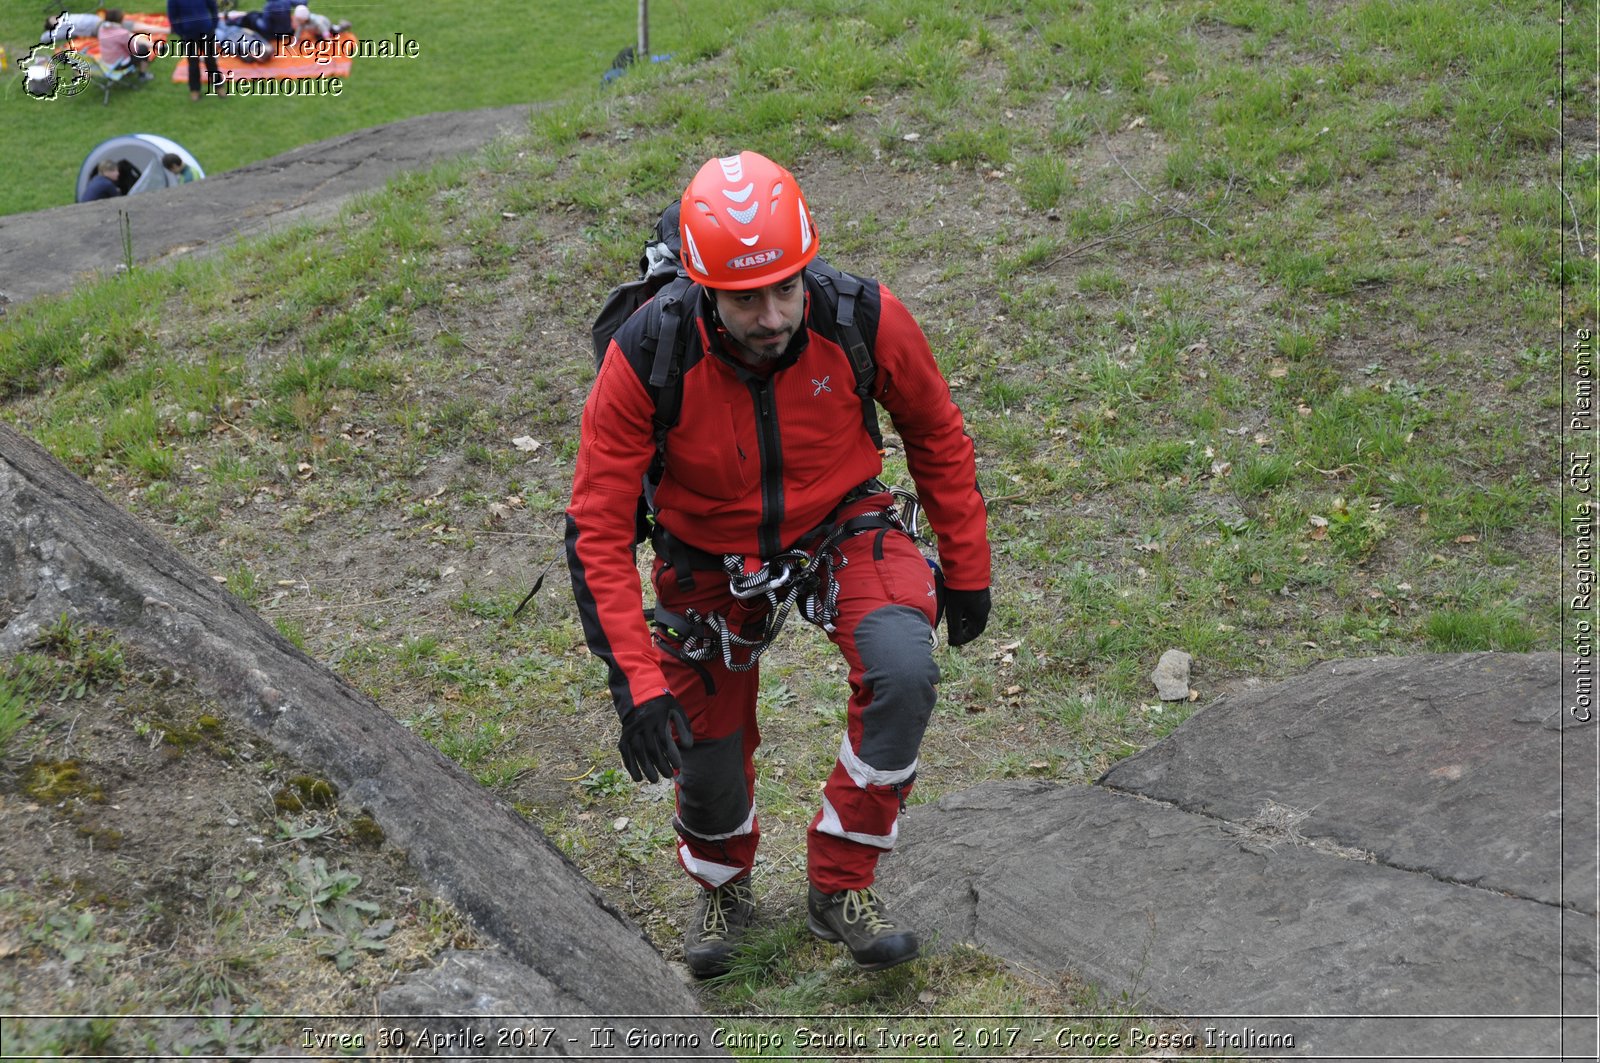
745,224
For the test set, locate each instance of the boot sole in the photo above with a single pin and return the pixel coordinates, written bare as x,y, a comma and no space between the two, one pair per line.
825,933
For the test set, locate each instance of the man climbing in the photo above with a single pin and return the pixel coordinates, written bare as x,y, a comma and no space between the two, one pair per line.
766,498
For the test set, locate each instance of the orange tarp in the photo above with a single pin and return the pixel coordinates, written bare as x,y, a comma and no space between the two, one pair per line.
304,59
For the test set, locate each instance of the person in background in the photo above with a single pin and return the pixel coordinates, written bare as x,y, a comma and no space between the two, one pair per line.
63,26
237,41
103,185
194,27
181,172
274,21
116,51
310,26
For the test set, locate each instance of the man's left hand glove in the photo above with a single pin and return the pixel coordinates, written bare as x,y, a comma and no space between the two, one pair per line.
966,614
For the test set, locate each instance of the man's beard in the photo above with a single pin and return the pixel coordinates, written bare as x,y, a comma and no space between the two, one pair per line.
766,355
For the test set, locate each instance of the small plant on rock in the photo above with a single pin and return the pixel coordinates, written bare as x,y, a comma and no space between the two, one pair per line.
323,908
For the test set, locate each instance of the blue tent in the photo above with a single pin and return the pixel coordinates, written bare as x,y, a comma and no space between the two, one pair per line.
141,153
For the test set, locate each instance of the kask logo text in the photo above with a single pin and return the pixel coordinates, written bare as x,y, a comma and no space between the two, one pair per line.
756,259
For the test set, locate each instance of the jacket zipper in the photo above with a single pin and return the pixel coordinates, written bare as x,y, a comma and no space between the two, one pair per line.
767,436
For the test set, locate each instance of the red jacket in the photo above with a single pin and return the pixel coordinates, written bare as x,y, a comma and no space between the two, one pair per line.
753,464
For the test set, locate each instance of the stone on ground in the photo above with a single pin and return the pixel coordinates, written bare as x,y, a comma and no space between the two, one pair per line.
1336,861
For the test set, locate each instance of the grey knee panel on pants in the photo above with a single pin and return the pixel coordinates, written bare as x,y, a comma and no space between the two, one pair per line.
712,799
899,670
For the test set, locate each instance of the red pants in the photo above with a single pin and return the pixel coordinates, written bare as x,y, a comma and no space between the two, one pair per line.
886,611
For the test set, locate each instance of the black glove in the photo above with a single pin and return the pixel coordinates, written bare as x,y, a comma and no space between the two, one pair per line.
966,614
648,749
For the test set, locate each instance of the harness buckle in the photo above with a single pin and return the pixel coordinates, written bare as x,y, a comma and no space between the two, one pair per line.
796,578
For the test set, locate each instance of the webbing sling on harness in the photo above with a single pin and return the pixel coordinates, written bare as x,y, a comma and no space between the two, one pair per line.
795,578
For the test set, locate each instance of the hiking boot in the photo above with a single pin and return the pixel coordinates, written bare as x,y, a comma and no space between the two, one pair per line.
720,921
859,919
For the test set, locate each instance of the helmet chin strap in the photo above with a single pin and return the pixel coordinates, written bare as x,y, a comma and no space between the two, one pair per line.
720,336
719,327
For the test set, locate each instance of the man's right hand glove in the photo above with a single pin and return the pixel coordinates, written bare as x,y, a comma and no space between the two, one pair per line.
966,614
648,748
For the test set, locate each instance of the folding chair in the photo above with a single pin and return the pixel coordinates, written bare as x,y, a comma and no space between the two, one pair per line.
108,78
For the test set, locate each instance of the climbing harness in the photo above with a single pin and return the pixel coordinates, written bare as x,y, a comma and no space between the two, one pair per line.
798,577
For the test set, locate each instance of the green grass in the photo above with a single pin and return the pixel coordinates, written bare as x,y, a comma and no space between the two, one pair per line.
65,662
14,708
1497,627
1213,359
528,54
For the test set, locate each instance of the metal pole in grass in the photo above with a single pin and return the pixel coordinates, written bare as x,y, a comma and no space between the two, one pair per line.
643,51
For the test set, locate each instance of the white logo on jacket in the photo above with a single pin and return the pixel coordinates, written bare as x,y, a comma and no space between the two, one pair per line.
822,385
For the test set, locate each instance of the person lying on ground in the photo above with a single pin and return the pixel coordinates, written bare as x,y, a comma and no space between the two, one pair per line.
310,26
65,25
60,28
274,20
238,41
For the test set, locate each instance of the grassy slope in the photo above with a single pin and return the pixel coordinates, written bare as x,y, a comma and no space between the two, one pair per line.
1253,310
531,52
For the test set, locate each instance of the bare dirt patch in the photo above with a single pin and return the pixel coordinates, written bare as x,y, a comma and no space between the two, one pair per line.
161,859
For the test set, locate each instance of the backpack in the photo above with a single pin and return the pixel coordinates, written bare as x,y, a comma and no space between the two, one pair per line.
658,267
664,292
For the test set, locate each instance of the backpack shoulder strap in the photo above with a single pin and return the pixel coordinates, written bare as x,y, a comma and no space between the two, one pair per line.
853,303
666,373
656,343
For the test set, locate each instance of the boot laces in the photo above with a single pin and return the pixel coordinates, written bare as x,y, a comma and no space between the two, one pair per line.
722,900
862,906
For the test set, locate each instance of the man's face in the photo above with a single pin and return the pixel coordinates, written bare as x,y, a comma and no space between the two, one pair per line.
762,321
